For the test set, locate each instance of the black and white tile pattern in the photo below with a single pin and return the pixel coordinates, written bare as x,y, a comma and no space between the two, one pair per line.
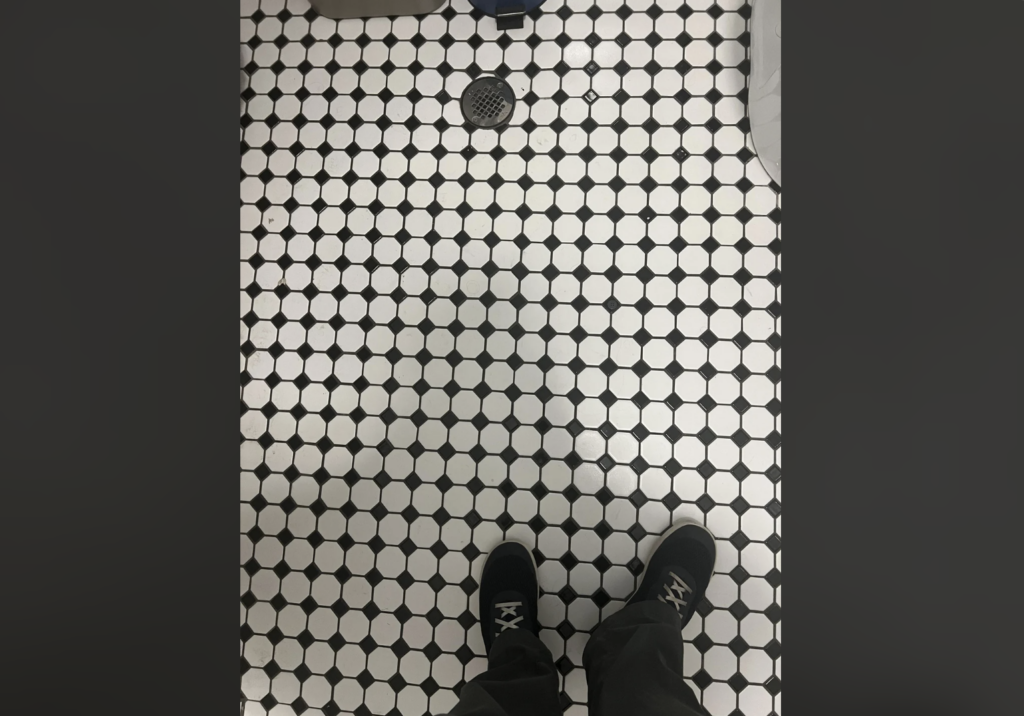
565,332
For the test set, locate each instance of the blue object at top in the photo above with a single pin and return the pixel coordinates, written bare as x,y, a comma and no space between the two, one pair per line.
489,7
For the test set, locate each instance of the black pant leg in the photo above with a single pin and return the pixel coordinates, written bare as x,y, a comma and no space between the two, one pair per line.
521,680
634,664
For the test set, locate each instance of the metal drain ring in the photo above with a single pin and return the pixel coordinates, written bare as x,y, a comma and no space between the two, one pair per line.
487,102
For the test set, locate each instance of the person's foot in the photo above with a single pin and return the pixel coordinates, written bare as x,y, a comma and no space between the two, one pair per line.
508,591
679,569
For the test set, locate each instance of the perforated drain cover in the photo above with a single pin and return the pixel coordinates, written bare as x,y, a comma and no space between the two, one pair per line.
488,102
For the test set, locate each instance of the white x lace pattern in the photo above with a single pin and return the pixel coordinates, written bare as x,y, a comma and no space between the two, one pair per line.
508,618
676,593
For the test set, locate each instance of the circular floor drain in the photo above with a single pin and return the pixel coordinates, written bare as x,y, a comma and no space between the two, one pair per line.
488,102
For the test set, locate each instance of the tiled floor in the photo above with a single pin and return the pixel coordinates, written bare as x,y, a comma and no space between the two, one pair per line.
565,332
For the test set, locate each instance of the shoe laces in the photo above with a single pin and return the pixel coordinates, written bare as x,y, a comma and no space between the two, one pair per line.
508,619
676,593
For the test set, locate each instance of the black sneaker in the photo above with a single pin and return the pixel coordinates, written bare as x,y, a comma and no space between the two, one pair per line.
508,591
679,569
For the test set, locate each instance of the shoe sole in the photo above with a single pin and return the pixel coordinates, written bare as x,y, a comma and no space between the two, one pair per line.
532,560
684,522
